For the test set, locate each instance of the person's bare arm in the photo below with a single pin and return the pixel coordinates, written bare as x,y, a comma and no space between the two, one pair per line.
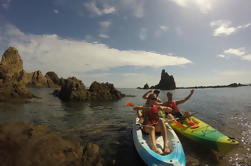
166,109
185,99
145,96
138,108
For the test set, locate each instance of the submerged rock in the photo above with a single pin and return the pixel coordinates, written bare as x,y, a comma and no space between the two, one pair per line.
24,144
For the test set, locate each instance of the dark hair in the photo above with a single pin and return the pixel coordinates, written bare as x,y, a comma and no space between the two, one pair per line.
156,91
153,98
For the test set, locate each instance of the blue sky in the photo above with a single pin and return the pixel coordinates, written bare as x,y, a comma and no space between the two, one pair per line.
129,42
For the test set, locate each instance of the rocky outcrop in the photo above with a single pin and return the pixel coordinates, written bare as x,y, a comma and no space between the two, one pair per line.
14,91
54,77
73,89
103,92
24,144
11,63
166,82
146,86
11,67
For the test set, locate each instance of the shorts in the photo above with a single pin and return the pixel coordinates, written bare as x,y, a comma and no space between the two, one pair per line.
177,115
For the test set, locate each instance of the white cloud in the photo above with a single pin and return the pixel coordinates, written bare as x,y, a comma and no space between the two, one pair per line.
161,29
224,28
5,3
55,11
136,7
67,56
237,52
109,10
105,25
164,28
204,5
246,57
104,36
143,33
99,8
222,56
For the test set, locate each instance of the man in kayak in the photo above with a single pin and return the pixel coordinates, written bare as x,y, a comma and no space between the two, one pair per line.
175,110
153,123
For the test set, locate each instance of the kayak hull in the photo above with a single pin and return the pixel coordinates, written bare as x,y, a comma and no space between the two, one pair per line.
206,135
141,142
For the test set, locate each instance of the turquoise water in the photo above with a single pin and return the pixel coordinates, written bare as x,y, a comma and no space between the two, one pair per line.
109,124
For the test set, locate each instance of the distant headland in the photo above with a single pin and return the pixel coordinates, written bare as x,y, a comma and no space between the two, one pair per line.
167,82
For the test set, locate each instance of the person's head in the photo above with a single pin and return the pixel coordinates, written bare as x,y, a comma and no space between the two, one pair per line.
152,99
156,92
169,95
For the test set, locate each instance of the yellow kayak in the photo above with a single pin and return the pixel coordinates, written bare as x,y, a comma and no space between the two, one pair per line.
206,135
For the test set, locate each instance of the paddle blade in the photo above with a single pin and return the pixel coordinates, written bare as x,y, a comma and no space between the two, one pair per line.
129,104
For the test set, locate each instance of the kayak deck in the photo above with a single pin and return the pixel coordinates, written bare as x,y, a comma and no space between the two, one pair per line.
142,143
206,135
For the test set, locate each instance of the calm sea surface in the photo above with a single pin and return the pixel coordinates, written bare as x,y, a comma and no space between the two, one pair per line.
109,124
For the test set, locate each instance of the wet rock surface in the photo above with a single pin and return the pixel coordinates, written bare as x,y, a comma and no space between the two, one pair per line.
74,90
24,144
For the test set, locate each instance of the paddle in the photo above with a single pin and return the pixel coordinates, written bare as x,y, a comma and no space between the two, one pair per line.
129,104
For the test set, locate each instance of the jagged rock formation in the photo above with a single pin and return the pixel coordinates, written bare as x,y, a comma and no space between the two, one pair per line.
74,90
14,80
103,92
146,86
24,144
11,67
166,82
11,63
54,77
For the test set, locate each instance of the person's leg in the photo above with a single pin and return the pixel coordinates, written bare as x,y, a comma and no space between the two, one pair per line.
140,116
151,131
163,129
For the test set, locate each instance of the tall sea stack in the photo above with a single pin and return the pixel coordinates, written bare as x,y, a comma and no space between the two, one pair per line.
166,82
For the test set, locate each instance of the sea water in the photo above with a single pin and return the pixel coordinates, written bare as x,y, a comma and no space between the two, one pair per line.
109,124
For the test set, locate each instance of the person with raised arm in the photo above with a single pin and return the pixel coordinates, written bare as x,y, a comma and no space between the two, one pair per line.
176,113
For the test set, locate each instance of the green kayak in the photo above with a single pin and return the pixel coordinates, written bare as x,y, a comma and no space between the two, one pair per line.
206,135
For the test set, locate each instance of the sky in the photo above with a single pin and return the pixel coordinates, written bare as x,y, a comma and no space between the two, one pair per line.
129,42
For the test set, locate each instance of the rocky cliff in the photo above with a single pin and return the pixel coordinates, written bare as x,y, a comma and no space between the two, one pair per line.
11,67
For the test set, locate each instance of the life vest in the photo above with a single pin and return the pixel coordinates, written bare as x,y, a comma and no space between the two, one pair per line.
174,107
152,116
